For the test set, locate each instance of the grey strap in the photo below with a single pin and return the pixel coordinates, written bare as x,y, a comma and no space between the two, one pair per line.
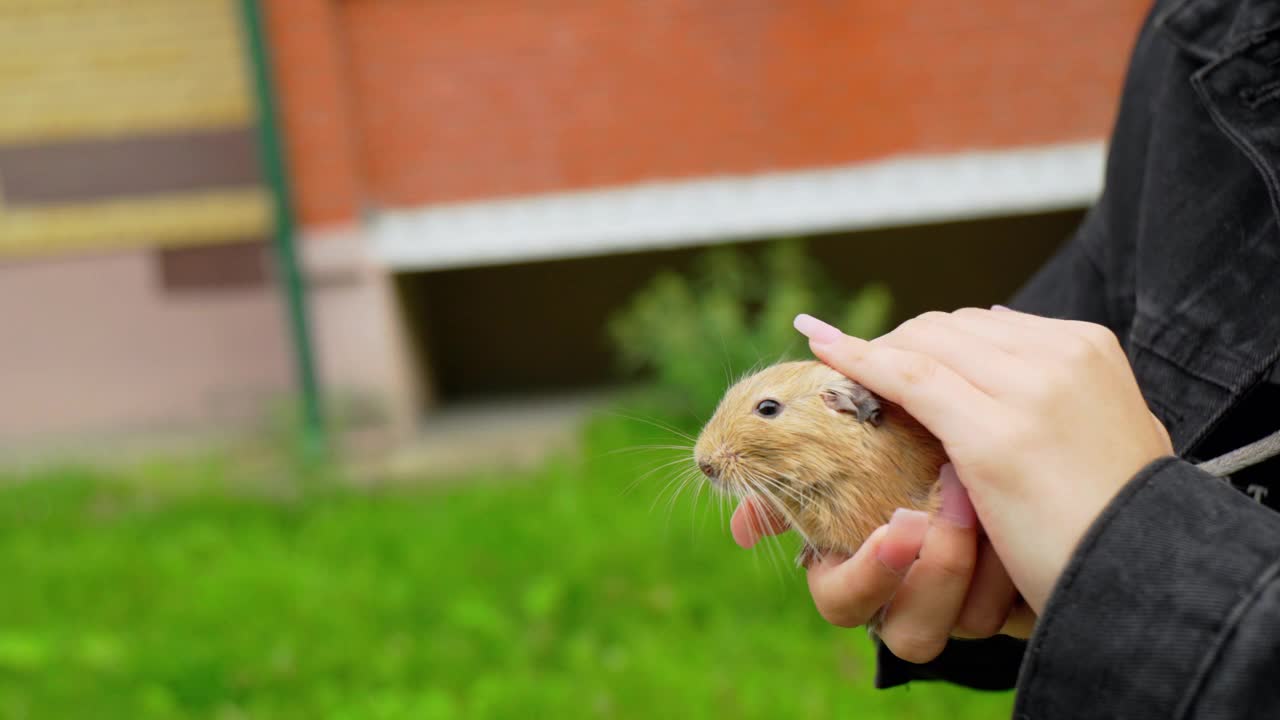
1241,458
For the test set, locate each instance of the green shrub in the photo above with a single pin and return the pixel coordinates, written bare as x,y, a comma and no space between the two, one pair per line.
693,334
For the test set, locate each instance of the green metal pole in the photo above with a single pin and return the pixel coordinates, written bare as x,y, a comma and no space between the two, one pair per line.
290,277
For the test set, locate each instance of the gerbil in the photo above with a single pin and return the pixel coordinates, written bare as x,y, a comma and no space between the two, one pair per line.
824,453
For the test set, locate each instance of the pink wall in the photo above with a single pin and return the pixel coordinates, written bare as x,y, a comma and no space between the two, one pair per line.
90,345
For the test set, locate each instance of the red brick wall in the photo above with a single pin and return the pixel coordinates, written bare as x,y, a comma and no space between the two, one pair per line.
310,61
462,99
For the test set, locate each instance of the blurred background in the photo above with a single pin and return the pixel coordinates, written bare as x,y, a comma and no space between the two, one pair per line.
349,349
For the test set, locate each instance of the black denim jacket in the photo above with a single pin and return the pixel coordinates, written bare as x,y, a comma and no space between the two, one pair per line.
1170,607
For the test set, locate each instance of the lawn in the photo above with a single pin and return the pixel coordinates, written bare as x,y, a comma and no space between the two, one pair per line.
202,589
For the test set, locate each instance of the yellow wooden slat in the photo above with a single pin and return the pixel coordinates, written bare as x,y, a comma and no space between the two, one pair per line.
92,68
157,221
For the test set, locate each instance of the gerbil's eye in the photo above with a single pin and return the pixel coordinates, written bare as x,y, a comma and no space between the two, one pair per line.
768,408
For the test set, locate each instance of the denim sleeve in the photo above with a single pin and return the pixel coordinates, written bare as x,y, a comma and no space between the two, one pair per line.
990,664
1169,608
1071,285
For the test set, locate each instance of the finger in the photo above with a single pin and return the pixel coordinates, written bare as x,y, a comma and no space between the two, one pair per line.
1021,334
924,387
1038,338
849,591
1048,330
1030,320
987,365
1021,621
1051,330
990,599
1163,432
994,327
1017,316
753,520
923,612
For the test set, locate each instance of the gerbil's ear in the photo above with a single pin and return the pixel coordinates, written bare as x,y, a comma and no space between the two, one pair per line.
847,396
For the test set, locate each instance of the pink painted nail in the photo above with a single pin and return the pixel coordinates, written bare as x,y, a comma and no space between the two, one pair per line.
911,523
816,330
956,507
896,562
1001,308
902,542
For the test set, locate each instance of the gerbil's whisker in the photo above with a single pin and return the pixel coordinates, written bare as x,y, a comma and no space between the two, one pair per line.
721,501
665,465
655,423
786,352
724,358
693,518
759,357
776,559
717,498
791,521
774,484
647,448
682,479
671,505
672,489
672,482
644,476
780,488
769,485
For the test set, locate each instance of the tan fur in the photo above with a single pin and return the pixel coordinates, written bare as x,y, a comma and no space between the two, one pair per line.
833,477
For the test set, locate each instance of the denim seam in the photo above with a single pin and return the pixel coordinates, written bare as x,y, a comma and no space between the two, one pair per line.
1256,97
1172,416
1260,163
1175,34
1226,631
1151,348
1087,252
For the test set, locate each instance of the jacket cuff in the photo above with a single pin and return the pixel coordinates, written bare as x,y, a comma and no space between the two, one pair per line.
989,664
1147,597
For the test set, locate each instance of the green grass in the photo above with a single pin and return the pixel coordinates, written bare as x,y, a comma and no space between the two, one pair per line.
175,591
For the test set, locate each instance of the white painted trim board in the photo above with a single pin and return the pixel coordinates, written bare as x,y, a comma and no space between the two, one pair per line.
906,190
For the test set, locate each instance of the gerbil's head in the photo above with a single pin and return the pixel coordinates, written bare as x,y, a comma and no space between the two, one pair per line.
775,430
828,456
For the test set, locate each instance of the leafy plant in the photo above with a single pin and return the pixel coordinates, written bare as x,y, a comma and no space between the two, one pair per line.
695,333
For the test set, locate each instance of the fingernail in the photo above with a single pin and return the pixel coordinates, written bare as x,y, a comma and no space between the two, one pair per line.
906,531
816,330
895,560
909,522
1001,308
956,508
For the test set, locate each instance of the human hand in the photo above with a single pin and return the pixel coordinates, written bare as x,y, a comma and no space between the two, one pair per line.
1042,419
937,578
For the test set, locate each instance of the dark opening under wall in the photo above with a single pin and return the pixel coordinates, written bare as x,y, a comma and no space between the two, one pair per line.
540,327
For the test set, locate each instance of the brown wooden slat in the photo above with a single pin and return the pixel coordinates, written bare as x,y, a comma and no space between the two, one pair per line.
99,169
238,265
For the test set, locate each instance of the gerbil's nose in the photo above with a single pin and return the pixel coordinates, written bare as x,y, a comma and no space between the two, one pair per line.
708,469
